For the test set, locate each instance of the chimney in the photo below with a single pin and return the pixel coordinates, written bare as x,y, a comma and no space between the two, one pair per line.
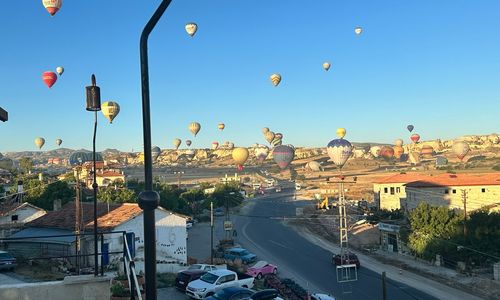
57,204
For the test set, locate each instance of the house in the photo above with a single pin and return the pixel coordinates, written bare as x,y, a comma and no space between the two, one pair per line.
406,191
105,176
114,220
13,216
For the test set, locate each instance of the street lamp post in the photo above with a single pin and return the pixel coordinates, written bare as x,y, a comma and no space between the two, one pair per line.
94,104
149,199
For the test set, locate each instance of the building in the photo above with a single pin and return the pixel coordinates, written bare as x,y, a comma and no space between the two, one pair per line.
113,221
406,191
14,215
105,176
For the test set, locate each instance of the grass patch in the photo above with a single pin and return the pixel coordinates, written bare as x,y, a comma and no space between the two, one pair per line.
165,280
38,272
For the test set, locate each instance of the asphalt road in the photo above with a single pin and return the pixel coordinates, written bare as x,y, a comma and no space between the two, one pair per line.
261,231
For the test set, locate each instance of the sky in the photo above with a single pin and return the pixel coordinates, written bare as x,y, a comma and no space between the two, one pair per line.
433,64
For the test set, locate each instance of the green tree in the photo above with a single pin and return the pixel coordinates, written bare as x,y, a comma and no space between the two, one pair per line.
227,194
119,195
26,164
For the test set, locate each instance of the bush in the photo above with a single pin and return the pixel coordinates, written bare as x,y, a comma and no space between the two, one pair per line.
496,167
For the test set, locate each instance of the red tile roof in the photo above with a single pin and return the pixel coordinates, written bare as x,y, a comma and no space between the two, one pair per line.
110,174
446,179
65,217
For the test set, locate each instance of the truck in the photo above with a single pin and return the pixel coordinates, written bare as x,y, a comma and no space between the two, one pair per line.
240,253
216,280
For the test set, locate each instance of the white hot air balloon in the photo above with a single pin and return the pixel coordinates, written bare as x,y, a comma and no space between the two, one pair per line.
358,30
191,28
60,70
326,66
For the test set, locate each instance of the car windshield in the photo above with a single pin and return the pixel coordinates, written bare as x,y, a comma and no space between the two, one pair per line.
209,278
195,267
5,256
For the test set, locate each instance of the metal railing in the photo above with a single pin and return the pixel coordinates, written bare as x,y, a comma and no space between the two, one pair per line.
129,269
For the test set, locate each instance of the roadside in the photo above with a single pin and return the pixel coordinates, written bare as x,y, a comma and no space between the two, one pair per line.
427,282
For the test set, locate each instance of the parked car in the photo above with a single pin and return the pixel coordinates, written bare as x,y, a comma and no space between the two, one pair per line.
321,297
214,281
185,277
350,258
7,261
268,294
243,254
261,268
203,267
232,293
278,189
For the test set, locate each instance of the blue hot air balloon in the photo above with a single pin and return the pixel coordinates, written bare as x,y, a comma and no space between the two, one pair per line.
79,157
283,155
339,151
155,152
410,128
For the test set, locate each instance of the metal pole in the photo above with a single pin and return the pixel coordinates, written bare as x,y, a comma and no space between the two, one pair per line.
149,199
94,185
211,233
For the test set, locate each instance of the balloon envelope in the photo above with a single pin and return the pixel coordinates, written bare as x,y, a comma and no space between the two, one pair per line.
415,138
410,128
358,30
283,155
110,110
427,151
386,152
60,70
191,28
215,145
398,142
58,142
261,153
326,66
339,151
39,142
269,136
398,151
176,142
341,132
221,126
265,130
460,148
375,151
49,78
314,166
275,79
194,127
188,143
52,6
240,155
80,157
155,152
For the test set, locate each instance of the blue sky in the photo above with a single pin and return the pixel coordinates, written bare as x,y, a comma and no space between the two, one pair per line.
434,64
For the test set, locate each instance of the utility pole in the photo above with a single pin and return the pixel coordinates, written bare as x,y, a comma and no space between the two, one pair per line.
211,233
77,218
464,201
384,289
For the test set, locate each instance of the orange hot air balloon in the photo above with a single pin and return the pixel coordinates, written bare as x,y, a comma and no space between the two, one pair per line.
398,151
52,6
221,126
49,78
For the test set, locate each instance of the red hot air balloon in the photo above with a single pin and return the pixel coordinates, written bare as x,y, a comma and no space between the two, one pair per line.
49,78
52,6
415,138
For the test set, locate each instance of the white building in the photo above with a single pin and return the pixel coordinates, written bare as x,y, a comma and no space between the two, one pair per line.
13,216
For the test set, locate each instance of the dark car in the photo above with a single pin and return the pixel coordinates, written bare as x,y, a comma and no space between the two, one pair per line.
185,277
7,261
232,293
349,259
267,294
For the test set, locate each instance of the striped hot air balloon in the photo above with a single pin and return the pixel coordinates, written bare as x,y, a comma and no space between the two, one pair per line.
194,127
283,155
275,79
339,151
427,151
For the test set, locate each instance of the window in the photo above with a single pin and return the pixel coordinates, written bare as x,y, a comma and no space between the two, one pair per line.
454,191
483,190
14,218
392,190
446,191
398,190
385,190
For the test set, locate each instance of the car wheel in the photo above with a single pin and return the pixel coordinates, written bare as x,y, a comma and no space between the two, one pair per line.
259,276
275,271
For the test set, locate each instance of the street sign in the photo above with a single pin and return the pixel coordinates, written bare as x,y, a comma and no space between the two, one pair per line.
228,225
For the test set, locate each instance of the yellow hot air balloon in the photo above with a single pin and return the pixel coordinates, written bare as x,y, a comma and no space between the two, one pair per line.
177,143
194,127
398,151
60,70
265,130
341,132
110,110
221,126
275,79
191,28
398,142
326,66
358,30
240,155
269,136
39,142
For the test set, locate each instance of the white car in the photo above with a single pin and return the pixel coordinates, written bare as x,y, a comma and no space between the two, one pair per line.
321,297
214,281
203,267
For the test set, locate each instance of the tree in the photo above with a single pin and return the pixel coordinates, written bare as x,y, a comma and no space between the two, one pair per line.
227,194
112,195
26,164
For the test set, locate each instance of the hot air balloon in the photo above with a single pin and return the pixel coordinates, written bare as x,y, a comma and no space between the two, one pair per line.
176,142
275,79
110,110
398,151
283,155
403,157
155,152
265,130
230,146
52,6
460,148
375,151
410,128
60,70
215,145
191,28
194,127
188,143
326,66
79,157
341,132
339,151
358,30
386,152
49,78
269,136
240,156
313,166
427,151
398,142
261,153
221,126
58,142
415,138
39,142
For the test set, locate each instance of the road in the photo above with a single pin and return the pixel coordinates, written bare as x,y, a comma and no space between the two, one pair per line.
305,262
